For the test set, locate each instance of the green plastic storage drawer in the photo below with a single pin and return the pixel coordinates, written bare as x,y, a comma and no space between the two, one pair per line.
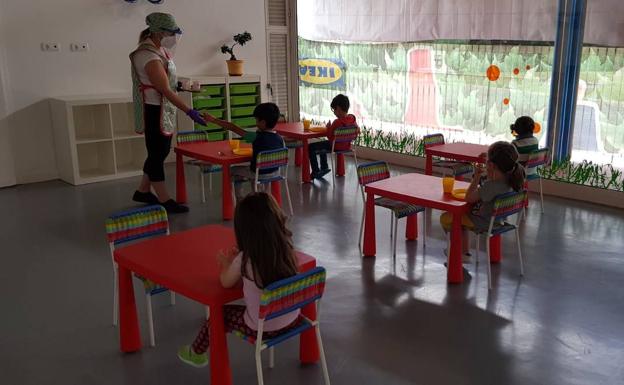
200,102
212,135
215,113
242,89
208,126
245,122
242,111
211,90
243,100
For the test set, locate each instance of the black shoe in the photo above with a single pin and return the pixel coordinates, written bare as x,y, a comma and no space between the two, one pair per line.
323,172
315,174
145,197
173,207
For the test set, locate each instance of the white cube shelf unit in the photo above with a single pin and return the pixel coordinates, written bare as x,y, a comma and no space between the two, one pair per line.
95,138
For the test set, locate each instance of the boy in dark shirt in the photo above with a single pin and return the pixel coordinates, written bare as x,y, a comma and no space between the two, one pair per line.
264,139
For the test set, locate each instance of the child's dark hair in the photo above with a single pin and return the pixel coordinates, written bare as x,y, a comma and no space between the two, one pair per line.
269,112
505,157
264,240
523,126
341,101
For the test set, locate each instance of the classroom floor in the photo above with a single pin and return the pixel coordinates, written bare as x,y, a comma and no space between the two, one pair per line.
560,324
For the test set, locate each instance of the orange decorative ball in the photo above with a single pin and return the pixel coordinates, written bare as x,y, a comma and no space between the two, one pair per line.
516,71
506,101
537,128
493,73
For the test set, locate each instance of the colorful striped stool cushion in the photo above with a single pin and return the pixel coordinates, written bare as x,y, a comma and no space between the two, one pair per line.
400,209
136,224
433,140
458,168
508,204
272,158
372,172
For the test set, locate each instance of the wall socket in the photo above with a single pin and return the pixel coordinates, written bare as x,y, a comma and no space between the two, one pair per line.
79,47
50,47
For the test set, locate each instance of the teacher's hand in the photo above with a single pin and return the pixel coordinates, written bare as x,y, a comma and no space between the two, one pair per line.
196,116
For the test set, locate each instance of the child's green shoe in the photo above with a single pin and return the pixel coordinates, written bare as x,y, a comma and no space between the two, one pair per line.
188,356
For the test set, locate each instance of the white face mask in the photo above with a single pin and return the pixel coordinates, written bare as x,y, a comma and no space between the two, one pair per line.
169,42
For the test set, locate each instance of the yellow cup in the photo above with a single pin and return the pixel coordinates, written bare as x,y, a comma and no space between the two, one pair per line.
447,184
234,144
306,124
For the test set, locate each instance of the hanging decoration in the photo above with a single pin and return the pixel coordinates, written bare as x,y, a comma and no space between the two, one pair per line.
493,73
506,101
537,128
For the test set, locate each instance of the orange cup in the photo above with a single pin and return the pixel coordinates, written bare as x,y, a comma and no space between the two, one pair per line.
234,144
306,124
447,184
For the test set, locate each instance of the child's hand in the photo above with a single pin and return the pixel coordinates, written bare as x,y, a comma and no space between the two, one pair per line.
479,169
225,257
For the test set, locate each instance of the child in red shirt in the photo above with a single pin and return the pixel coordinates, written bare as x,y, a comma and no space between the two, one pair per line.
340,107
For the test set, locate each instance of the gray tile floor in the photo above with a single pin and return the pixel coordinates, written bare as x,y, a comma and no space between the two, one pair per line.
560,324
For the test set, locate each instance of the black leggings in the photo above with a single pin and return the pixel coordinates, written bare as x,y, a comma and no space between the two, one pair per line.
157,144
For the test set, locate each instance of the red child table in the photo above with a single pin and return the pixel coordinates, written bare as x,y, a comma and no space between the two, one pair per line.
422,190
216,153
186,263
467,152
295,131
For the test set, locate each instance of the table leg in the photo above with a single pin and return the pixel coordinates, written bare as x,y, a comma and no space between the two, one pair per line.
370,247
428,165
277,192
298,156
411,228
129,333
220,372
308,346
495,249
454,272
180,180
305,163
340,164
227,205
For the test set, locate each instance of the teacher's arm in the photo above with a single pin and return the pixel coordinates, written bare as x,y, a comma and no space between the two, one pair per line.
159,79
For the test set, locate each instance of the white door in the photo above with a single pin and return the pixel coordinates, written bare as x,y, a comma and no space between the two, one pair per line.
282,56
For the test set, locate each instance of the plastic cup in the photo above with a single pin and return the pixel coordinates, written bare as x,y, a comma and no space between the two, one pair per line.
306,124
447,184
234,144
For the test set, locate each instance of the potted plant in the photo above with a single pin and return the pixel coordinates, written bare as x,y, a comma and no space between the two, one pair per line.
235,66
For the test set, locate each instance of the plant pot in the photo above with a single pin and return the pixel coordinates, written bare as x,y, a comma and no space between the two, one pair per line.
235,67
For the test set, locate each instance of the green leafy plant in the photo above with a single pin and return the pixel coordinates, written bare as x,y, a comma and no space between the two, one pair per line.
239,39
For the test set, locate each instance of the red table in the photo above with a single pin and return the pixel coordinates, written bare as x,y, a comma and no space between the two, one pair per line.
216,153
295,131
422,190
466,152
186,262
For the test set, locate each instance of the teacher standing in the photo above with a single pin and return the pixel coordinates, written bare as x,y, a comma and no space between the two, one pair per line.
155,105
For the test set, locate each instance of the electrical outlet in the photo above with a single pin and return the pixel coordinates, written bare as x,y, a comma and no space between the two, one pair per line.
79,47
50,47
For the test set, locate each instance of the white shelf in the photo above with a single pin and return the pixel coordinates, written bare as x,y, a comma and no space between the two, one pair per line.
95,159
122,117
92,122
130,154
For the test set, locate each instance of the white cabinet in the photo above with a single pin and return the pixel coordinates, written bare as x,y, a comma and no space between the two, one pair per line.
95,139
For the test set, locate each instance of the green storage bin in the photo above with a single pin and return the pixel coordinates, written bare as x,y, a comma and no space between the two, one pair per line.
215,113
208,126
211,90
242,89
245,122
213,135
201,102
242,111
243,100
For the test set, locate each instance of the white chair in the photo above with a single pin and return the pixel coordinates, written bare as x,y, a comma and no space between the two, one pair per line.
535,160
185,137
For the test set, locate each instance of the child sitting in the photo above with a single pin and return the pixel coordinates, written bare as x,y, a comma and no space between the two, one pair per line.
340,107
264,139
525,142
504,174
264,254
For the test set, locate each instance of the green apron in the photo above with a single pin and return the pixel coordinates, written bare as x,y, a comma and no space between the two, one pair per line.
168,110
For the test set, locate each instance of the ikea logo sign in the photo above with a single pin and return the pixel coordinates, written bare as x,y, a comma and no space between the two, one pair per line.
322,72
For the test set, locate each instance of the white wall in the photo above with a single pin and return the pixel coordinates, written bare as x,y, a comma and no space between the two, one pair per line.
111,29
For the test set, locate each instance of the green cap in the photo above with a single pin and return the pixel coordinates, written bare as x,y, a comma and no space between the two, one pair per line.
162,22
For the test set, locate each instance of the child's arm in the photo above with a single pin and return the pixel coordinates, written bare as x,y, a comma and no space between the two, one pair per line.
230,267
225,124
472,194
